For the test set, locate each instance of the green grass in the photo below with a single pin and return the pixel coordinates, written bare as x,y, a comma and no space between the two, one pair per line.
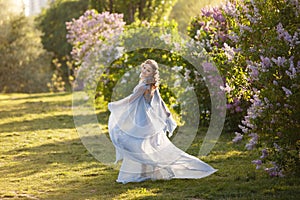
42,157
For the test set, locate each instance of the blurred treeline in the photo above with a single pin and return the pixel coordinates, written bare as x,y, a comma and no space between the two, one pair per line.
34,52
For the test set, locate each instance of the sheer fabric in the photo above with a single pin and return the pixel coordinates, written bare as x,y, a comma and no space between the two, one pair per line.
137,127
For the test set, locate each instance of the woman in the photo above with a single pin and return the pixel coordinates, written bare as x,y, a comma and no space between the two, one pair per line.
138,125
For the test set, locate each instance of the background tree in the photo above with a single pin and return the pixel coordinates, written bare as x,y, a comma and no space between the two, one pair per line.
24,64
149,10
52,23
184,10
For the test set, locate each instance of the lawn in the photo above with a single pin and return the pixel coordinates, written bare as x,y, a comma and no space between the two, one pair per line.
42,157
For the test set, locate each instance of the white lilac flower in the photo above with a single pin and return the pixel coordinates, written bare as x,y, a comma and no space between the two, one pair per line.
127,74
177,68
227,89
187,74
167,38
123,81
243,128
229,52
198,33
189,88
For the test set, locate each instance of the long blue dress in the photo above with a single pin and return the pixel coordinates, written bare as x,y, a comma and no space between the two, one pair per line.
137,126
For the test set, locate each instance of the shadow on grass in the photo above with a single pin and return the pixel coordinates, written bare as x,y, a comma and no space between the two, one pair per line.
45,123
35,108
33,96
78,175
66,170
51,122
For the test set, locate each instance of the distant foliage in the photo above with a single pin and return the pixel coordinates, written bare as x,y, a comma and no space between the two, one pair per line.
256,45
24,64
52,23
184,10
149,10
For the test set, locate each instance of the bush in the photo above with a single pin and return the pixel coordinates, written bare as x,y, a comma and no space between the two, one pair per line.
256,46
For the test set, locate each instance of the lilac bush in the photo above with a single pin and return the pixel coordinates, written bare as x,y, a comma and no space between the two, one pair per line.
91,30
94,40
256,45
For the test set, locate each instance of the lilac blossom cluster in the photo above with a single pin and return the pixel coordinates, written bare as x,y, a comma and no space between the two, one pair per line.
270,66
91,30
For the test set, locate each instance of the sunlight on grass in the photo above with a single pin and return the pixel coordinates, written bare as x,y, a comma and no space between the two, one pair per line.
136,193
228,155
42,157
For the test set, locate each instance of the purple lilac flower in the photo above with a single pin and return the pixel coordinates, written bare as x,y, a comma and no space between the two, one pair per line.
264,153
238,137
287,91
279,61
243,128
233,37
228,106
230,9
291,72
258,163
207,66
206,12
218,16
274,171
84,33
244,28
238,109
266,62
254,72
277,147
252,142
283,33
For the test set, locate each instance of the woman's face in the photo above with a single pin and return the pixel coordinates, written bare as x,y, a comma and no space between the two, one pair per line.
147,70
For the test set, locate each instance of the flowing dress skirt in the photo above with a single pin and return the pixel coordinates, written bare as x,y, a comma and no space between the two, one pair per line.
138,130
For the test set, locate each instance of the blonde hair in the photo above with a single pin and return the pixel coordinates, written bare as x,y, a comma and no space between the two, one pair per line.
155,78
